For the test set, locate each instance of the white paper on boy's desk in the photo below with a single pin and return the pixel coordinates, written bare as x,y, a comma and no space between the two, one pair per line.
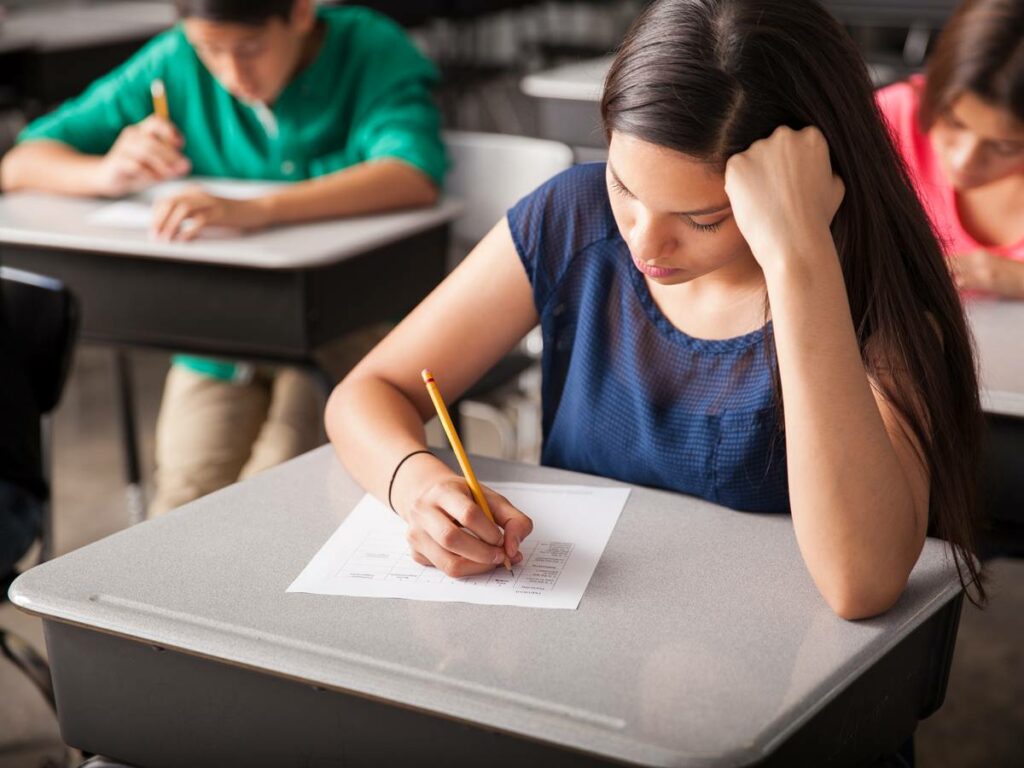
368,555
137,212
129,214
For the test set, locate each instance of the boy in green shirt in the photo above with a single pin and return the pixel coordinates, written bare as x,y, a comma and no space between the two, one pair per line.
336,100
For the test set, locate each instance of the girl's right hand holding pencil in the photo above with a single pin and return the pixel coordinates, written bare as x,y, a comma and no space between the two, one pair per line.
446,527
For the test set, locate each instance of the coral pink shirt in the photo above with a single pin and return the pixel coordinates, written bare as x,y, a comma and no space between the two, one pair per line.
898,103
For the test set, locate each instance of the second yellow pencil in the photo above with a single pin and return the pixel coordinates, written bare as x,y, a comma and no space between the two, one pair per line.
159,94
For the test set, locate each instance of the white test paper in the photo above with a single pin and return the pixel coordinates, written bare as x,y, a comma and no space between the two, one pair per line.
368,555
137,212
125,214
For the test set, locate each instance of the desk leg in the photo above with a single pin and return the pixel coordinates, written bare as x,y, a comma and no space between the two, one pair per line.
129,438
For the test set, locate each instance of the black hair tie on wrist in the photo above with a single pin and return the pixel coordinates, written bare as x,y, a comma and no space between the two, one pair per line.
395,474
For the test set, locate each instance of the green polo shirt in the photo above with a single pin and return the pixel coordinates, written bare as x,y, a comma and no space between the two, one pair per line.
366,95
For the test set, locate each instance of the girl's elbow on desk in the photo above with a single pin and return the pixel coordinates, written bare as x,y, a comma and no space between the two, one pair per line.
854,602
855,592
859,583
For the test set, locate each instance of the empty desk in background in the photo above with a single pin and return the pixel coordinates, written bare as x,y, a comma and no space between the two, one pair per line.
568,100
276,295
700,641
569,97
998,328
931,14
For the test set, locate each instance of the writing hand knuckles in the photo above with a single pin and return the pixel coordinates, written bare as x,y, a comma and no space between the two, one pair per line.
465,510
419,559
449,537
471,517
452,567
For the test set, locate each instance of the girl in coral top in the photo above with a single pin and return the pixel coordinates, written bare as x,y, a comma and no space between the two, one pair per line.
960,129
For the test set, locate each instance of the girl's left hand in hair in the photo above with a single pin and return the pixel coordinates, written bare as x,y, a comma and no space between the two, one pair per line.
784,195
183,216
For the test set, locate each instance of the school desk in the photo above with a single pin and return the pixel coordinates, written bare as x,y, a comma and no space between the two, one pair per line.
997,326
276,295
700,641
925,14
568,98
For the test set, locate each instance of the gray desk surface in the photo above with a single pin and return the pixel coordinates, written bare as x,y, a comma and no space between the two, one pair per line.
59,26
51,221
581,81
584,80
720,599
998,328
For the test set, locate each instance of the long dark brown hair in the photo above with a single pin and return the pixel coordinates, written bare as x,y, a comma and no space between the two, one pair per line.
710,77
981,50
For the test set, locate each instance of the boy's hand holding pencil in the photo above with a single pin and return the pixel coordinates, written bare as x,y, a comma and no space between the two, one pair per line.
144,154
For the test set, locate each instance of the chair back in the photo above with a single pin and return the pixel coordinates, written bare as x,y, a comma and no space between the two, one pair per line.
491,172
40,323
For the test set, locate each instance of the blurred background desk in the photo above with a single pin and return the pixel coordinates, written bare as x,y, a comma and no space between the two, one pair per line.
998,327
272,296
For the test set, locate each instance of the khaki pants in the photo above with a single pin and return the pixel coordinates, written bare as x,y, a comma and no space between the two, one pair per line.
211,433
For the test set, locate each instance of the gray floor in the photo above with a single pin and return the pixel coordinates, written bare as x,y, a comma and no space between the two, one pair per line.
981,724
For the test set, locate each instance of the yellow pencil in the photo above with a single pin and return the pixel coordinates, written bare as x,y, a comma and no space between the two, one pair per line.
159,94
460,452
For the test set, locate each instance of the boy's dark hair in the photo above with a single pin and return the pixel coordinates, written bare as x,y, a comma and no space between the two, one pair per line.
981,50
236,11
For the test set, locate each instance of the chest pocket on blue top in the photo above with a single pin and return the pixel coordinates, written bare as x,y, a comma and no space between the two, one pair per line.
750,461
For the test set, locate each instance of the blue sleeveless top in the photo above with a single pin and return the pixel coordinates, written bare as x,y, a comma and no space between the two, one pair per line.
625,393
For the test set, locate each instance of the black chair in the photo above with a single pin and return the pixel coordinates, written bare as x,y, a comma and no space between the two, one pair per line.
40,324
1003,487
41,319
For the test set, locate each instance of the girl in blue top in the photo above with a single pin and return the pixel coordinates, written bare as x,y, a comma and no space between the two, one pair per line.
752,243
